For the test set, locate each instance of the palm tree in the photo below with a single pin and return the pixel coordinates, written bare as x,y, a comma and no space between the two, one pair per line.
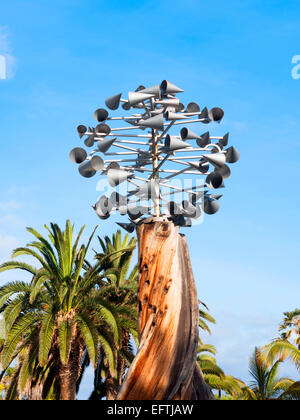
8,384
290,327
120,291
51,322
266,384
282,348
212,373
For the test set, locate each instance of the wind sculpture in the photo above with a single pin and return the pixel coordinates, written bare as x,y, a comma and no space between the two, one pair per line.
147,156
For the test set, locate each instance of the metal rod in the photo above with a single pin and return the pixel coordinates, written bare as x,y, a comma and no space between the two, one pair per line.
166,130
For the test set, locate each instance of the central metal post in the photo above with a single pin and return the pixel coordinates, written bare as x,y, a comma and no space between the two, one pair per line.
155,166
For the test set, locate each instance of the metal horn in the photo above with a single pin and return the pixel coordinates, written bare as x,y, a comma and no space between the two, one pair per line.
193,107
187,134
204,140
172,116
153,90
81,129
78,155
156,122
216,159
113,102
105,144
101,115
135,98
173,143
86,170
216,114
214,180
211,206
232,155
167,87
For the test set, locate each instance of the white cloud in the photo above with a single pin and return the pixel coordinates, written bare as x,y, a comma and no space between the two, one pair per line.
11,221
7,244
8,61
10,205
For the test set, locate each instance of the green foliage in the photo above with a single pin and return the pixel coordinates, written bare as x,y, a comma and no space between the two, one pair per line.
266,384
64,307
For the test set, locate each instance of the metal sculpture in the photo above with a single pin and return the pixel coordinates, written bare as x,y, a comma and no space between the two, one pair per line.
159,143
149,160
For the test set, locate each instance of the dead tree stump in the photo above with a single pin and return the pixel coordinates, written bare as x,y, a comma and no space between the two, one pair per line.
165,366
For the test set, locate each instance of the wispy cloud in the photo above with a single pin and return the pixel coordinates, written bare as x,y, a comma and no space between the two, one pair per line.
7,244
10,205
8,61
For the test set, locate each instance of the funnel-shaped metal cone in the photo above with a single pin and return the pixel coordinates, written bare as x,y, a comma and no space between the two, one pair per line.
81,129
174,102
224,141
173,208
101,115
90,141
167,87
129,227
117,176
211,206
205,115
190,210
232,155
97,163
156,122
204,140
150,190
137,212
153,90
224,171
104,205
105,144
216,159
173,143
193,107
113,102
187,134
202,165
135,98
126,106
216,114
86,170
172,116
78,155
214,180
103,130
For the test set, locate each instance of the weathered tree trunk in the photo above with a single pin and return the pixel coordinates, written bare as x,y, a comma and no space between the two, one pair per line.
165,367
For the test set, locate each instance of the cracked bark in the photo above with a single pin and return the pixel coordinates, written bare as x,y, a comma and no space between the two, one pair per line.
165,366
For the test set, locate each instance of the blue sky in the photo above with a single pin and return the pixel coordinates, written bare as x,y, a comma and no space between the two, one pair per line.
65,58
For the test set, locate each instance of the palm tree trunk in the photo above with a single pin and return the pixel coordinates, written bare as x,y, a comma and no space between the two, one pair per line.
67,384
112,388
70,372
